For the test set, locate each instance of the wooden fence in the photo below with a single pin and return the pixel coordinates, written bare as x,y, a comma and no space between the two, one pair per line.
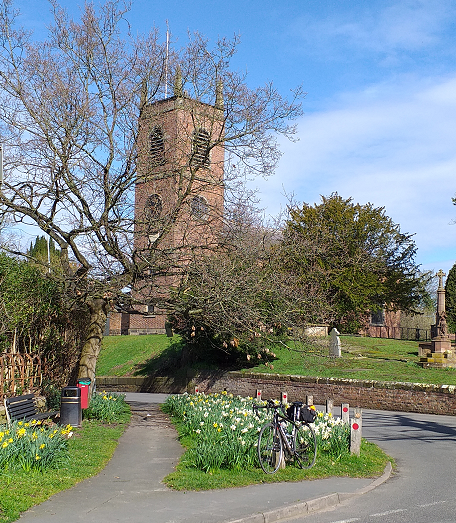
20,373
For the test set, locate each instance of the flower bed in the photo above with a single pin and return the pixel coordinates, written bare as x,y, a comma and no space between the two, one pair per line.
33,445
224,430
106,406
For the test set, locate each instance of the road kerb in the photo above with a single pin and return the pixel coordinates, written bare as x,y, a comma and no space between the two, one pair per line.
312,505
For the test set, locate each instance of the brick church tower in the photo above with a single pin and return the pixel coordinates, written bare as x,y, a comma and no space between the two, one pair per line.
178,196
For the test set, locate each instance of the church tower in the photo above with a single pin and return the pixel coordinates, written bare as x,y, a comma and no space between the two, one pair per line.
178,194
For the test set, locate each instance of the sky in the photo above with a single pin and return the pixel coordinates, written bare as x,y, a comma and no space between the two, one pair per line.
379,116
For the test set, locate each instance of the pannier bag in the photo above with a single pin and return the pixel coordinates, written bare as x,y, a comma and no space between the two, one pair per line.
300,412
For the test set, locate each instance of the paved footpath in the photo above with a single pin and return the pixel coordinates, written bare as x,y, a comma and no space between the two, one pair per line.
130,488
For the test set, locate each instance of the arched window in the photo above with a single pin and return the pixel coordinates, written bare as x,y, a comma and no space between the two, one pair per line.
378,317
157,147
199,208
201,147
153,207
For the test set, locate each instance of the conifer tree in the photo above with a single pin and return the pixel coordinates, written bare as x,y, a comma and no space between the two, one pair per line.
450,298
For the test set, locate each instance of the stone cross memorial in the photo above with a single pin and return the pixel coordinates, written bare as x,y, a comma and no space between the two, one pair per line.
439,352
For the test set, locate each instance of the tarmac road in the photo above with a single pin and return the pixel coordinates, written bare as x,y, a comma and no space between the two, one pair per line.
423,489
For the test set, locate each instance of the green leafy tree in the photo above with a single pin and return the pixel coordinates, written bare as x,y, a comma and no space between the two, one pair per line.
36,318
450,298
355,256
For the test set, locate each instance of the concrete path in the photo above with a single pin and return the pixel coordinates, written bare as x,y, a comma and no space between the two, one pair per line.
130,487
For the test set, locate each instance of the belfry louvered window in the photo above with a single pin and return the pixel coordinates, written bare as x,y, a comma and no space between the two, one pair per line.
157,147
153,207
201,148
199,208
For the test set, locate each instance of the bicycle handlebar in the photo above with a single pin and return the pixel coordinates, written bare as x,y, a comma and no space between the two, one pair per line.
270,404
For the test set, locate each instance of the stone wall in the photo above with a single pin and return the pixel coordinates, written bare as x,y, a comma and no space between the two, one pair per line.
394,396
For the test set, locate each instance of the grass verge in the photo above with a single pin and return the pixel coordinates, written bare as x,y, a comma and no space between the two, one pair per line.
369,464
90,448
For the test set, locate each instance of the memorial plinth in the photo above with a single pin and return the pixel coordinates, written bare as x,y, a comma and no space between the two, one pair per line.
441,353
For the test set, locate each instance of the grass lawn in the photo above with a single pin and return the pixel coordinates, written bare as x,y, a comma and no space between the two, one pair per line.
122,355
90,448
362,358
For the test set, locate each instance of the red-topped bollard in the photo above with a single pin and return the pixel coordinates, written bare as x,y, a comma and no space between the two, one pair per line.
84,385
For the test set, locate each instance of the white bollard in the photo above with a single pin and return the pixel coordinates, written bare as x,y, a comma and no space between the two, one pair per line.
345,412
356,431
329,406
284,397
258,394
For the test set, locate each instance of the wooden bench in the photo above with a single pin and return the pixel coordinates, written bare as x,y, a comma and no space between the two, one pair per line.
24,408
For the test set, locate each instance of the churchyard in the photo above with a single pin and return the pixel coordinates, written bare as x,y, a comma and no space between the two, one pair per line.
361,358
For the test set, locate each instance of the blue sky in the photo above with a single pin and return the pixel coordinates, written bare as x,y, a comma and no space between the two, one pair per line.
380,113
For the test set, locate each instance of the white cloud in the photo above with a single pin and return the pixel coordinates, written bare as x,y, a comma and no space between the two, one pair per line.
395,149
384,28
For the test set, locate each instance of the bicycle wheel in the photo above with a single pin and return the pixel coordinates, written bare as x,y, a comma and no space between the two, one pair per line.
305,445
270,450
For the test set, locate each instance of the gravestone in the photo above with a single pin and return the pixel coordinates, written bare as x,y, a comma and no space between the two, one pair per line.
335,350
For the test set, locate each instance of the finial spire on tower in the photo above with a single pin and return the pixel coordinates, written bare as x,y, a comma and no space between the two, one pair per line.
143,96
178,85
219,102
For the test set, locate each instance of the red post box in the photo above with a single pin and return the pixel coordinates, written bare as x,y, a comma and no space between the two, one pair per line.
84,385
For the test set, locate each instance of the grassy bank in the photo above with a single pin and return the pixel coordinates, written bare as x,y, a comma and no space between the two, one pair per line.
90,448
362,358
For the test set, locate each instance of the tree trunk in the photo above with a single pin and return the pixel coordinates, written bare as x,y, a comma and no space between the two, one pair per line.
92,344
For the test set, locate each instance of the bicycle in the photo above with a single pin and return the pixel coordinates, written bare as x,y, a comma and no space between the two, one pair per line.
289,432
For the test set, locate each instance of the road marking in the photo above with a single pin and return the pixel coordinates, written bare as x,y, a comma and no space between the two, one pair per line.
388,512
432,504
396,511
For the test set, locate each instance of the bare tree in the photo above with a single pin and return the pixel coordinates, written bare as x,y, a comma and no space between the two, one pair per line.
75,119
240,301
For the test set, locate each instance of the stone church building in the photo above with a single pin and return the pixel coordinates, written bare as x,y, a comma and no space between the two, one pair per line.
179,197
